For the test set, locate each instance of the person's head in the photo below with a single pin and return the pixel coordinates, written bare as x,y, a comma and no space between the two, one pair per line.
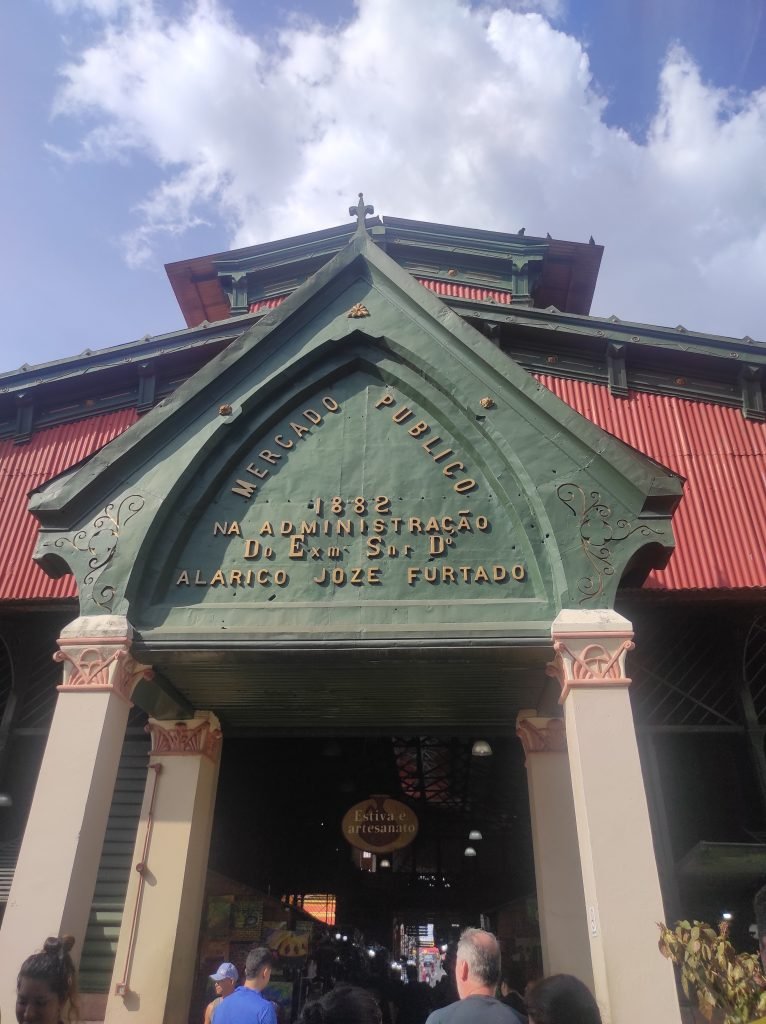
258,967
562,999
759,905
345,1004
46,987
477,970
225,978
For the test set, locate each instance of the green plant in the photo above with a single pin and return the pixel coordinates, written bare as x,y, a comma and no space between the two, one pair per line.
713,973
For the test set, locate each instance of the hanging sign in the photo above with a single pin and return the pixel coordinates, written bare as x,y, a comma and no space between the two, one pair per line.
380,825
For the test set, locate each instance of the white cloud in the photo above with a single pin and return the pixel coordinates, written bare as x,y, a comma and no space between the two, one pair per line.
480,115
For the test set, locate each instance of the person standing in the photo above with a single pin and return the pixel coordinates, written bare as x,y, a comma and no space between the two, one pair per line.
246,1005
46,989
477,972
225,979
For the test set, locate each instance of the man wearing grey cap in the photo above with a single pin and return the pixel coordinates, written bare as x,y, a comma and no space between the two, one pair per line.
246,1005
225,978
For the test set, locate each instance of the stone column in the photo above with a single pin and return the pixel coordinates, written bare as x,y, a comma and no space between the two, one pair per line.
633,983
55,876
558,876
157,948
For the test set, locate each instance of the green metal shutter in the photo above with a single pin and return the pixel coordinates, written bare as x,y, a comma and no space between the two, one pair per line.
100,946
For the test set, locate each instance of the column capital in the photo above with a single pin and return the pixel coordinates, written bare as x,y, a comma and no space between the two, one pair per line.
541,735
95,654
589,649
200,735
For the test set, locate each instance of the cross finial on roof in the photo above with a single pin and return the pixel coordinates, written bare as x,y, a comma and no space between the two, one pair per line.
360,211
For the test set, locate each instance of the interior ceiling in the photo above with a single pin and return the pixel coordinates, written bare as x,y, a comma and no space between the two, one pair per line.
281,802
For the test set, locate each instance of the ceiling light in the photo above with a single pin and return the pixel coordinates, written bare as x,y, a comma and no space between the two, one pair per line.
469,852
481,749
6,800
385,863
727,915
474,835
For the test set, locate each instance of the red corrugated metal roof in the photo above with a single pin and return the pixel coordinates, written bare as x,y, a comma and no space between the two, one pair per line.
721,521
444,288
24,467
719,525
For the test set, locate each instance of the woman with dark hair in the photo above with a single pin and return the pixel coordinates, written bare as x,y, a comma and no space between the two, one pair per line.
345,1004
562,999
46,988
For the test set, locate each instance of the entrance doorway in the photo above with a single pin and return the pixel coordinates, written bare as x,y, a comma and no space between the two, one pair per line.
277,840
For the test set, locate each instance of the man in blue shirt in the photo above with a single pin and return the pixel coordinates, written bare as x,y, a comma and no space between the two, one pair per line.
246,1005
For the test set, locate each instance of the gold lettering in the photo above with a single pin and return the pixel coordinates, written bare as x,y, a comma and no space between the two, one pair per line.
396,524
448,524
280,577
373,575
412,575
379,525
183,578
334,552
384,400
220,528
482,576
344,528
464,525
269,456
482,523
429,574
431,443
286,527
374,547
262,577
252,548
279,439
402,415
499,573
321,579
330,404
432,526
312,416
309,528
448,470
244,488
466,572
256,471
448,574
465,486
218,577
518,572
383,505
415,525
357,576
442,454
296,547
235,578
267,530
198,581
298,429
420,428
437,546
338,576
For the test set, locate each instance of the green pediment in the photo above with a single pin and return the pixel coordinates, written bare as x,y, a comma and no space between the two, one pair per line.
361,463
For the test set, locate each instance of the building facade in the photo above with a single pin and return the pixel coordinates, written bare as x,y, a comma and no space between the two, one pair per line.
392,476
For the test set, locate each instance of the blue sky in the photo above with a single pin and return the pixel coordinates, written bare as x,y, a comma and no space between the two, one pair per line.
139,132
